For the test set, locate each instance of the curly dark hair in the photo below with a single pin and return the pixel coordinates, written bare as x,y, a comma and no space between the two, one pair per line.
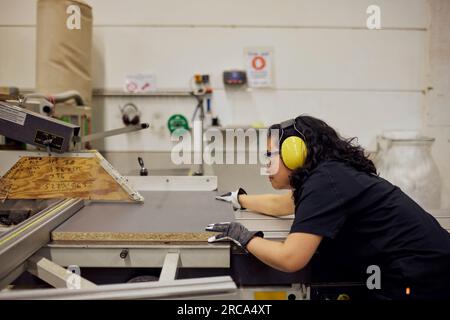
324,143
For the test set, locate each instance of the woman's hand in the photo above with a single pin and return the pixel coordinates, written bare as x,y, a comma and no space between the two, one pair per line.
233,231
233,198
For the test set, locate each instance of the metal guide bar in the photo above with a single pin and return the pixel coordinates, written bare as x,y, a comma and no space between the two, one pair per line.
18,244
123,182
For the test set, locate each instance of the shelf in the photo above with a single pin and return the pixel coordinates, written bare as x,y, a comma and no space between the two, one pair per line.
100,92
158,93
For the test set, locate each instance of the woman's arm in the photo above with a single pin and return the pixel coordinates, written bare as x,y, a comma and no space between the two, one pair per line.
270,204
289,256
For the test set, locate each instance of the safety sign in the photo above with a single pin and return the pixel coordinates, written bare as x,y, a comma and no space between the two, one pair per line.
259,65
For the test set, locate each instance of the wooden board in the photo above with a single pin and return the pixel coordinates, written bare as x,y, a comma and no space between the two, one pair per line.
135,237
50,177
165,216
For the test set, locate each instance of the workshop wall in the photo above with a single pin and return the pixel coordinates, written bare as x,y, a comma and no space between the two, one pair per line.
327,63
437,102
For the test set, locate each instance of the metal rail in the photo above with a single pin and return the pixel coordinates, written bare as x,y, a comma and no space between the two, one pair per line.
20,243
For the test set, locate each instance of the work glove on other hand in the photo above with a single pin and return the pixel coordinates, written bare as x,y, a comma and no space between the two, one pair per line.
233,231
233,198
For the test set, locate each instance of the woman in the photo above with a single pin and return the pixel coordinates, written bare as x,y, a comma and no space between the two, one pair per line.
346,211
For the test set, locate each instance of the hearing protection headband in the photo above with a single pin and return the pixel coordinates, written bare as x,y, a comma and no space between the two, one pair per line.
290,123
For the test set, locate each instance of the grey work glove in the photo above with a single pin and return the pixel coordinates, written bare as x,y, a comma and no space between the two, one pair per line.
233,231
233,198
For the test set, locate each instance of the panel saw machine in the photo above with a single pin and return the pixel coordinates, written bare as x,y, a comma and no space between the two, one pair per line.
72,221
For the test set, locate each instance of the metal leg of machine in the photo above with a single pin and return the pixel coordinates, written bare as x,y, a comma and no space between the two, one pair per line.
55,275
170,268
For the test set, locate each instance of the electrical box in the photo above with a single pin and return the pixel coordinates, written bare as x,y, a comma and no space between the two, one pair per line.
234,77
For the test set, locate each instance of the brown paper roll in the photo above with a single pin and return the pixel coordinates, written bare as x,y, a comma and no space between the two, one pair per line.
63,55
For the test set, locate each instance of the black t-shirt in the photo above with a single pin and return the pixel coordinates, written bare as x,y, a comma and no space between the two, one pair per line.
365,220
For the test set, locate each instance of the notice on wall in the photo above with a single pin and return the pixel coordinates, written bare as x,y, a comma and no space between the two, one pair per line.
259,65
140,82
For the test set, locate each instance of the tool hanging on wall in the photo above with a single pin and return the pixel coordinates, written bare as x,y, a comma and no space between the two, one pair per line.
178,124
130,114
200,84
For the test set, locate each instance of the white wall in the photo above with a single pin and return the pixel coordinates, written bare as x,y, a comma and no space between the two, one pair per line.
437,103
327,63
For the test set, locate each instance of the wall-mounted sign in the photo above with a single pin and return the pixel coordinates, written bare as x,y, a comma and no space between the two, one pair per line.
259,66
140,82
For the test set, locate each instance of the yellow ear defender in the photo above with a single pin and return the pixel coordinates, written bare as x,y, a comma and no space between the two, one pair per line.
293,149
293,152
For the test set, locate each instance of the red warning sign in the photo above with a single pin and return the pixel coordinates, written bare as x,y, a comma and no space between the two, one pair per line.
259,67
258,63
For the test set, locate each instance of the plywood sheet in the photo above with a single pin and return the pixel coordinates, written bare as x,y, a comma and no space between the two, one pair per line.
164,216
50,177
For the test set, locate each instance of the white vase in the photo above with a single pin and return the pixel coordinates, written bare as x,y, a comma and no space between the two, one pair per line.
404,159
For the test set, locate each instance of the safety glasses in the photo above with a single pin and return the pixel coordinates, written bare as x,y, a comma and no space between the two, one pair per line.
271,154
